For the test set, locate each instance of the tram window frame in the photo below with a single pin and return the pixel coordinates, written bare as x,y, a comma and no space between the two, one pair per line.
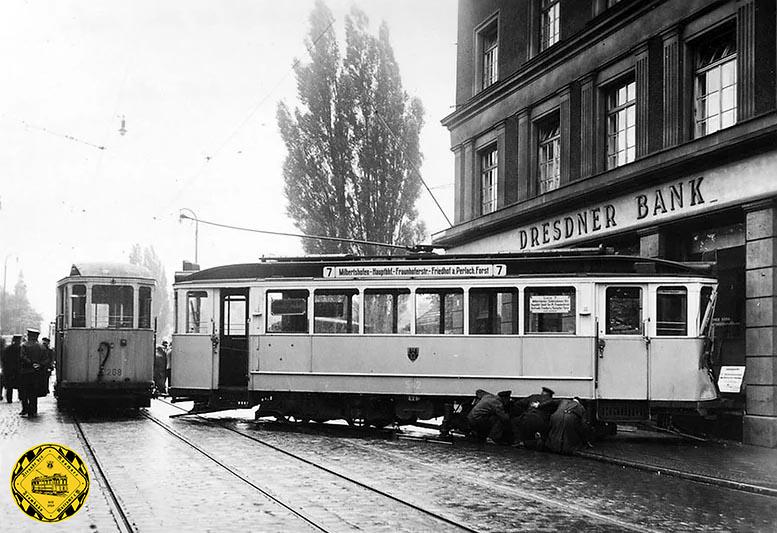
671,331
446,321
287,294
704,301
198,297
549,290
78,303
495,321
120,303
350,311
638,329
145,306
400,311
234,316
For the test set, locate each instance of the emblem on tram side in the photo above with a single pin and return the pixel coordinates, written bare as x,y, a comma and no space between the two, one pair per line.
50,482
412,353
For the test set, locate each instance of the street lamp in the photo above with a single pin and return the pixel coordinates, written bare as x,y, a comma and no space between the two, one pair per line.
193,216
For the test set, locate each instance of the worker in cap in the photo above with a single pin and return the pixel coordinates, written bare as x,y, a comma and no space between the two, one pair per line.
489,418
33,373
531,418
569,429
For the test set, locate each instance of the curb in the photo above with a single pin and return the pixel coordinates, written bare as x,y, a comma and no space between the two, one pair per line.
727,483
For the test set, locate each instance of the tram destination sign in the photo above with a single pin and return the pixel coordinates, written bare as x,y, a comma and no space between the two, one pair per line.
416,271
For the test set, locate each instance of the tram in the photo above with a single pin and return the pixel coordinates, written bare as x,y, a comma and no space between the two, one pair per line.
382,340
104,335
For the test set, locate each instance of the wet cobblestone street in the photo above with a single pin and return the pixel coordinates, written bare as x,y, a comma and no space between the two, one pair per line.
164,484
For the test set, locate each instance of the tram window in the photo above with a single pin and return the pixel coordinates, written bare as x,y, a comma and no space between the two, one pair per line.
78,306
671,311
624,311
287,311
233,315
112,306
439,311
493,311
704,302
144,302
198,312
336,311
550,310
387,311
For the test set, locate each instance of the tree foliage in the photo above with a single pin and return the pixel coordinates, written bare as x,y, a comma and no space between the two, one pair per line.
160,308
353,143
17,313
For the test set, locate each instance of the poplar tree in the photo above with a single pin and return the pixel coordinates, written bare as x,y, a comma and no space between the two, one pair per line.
160,305
353,142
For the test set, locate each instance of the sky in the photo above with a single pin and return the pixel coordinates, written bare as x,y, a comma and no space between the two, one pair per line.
197,83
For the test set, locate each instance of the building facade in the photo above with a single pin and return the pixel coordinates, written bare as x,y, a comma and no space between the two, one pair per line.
645,125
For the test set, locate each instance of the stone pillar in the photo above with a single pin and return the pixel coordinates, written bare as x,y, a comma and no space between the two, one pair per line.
458,184
524,147
755,58
587,130
501,173
672,108
468,166
565,131
644,105
652,243
760,421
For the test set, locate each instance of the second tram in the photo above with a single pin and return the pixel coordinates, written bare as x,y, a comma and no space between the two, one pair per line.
383,340
105,335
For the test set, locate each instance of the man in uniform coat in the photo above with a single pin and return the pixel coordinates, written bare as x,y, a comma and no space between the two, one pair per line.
489,418
33,373
10,364
531,426
569,430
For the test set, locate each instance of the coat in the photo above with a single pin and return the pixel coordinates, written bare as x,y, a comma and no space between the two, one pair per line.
10,364
568,428
34,366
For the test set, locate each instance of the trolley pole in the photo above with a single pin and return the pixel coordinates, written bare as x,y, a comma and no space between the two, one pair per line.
194,217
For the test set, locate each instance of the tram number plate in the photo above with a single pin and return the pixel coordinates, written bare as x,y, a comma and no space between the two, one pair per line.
111,372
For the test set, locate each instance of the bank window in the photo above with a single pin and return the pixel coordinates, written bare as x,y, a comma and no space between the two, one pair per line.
489,43
550,310
112,306
671,311
439,311
716,83
550,23
387,311
549,155
493,311
198,312
336,311
144,304
621,124
287,311
624,311
489,170
78,306
234,317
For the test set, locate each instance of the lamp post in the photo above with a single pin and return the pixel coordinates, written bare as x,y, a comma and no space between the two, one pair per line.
193,216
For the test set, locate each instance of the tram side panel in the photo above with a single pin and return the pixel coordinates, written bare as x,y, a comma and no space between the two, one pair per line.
424,365
194,365
677,372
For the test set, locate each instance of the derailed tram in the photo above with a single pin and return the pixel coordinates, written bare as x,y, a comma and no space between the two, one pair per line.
105,335
383,340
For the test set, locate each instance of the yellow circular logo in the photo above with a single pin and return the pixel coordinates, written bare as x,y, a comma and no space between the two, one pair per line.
50,482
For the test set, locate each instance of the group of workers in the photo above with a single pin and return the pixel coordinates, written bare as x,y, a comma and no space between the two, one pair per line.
27,367
538,421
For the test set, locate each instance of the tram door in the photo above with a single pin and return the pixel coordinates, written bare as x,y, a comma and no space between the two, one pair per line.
233,339
622,362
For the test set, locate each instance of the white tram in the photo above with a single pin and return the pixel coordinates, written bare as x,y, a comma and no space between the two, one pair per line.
396,339
105,335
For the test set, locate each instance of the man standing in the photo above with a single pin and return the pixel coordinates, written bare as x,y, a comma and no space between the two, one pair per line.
49,353
10,364
33,368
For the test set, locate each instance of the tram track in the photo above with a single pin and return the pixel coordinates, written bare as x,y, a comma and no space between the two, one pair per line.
123,522
426,512
481,484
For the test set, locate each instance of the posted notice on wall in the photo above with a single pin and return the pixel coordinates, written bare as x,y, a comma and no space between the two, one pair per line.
550,303
730,379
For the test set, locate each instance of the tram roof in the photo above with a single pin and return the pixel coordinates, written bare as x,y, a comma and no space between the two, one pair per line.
109,270
517,265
